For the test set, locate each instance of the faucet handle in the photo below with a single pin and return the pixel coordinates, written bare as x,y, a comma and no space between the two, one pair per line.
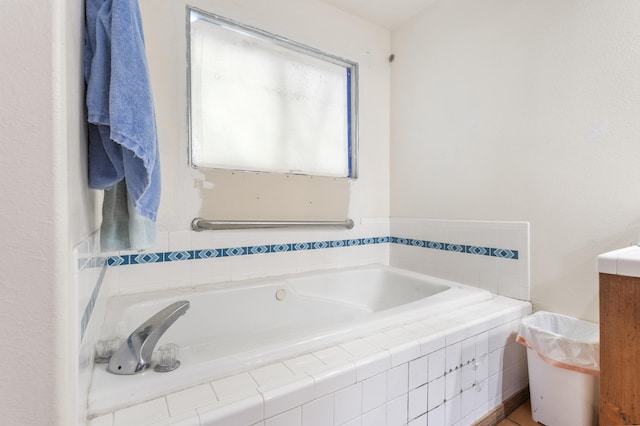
167,358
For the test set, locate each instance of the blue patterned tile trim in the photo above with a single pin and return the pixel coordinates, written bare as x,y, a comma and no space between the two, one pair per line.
459,248
88,310
176,256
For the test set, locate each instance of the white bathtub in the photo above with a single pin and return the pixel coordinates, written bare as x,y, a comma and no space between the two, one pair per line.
237,326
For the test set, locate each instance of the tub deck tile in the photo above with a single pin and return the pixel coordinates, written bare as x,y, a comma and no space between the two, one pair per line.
432,342
404,353
280,397
378,370
190,399
333,356
230,412
359,348
272,375
234,387
304,363
330,380
372,365
147,412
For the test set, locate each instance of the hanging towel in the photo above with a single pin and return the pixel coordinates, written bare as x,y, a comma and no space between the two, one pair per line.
123,142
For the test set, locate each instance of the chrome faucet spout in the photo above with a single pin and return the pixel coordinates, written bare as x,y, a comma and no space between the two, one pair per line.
134,355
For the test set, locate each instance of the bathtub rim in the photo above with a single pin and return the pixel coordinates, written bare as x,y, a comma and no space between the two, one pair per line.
101,401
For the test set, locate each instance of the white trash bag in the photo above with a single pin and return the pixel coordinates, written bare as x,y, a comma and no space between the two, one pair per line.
563,341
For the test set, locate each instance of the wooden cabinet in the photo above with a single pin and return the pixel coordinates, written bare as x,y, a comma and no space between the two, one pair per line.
619,350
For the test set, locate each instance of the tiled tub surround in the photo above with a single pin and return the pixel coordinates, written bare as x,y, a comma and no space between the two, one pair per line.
448,369
506,273
507,276
237,326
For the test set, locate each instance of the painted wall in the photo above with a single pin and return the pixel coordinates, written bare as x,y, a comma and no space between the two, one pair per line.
524,110
189,193
46,207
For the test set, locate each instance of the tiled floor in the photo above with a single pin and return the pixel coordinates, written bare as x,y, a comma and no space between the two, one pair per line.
520,417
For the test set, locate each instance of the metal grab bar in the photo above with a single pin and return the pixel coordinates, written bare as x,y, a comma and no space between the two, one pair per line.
200,224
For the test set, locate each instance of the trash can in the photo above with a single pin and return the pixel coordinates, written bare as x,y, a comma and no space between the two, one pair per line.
563,356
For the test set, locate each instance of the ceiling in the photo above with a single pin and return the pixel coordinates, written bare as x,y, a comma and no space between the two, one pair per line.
386,13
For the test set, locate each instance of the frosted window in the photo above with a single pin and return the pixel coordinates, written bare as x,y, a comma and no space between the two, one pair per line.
262,103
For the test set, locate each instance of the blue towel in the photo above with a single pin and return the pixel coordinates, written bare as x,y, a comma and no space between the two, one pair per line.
123,141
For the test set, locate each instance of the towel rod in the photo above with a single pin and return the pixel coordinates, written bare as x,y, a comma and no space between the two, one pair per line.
200,224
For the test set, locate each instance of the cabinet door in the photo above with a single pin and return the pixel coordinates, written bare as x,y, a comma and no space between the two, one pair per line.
619,350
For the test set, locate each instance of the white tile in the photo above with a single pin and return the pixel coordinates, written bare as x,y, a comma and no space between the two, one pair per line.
186,418
374,392
355,422
455,335
495,386
404,352
482,368
360,348
453,383
482,344
147,412
229,412
437,364
453,357
469,420
302,364
288,418
436,392
418,372
468,352
495,362
283,397
397,411
372,365
235,386
436,416
382,341
189,399
397,381
420,421
201,271
347,403
498,337
482,394
106,420
318,412
333,356
375,417
476,325
328,381
452,408
272,375
159,275
467,376
467,402
432,343
417,402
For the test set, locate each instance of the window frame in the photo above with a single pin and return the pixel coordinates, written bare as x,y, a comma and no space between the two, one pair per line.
352,88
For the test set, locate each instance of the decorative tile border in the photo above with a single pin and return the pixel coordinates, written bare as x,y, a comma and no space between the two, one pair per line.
459,248
183,255
176,256
97,262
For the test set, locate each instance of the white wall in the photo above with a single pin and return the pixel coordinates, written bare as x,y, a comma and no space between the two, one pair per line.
41,128
524,110
46,207
187,193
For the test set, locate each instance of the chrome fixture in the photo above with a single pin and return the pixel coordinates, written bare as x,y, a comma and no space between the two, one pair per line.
199,224
134,355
